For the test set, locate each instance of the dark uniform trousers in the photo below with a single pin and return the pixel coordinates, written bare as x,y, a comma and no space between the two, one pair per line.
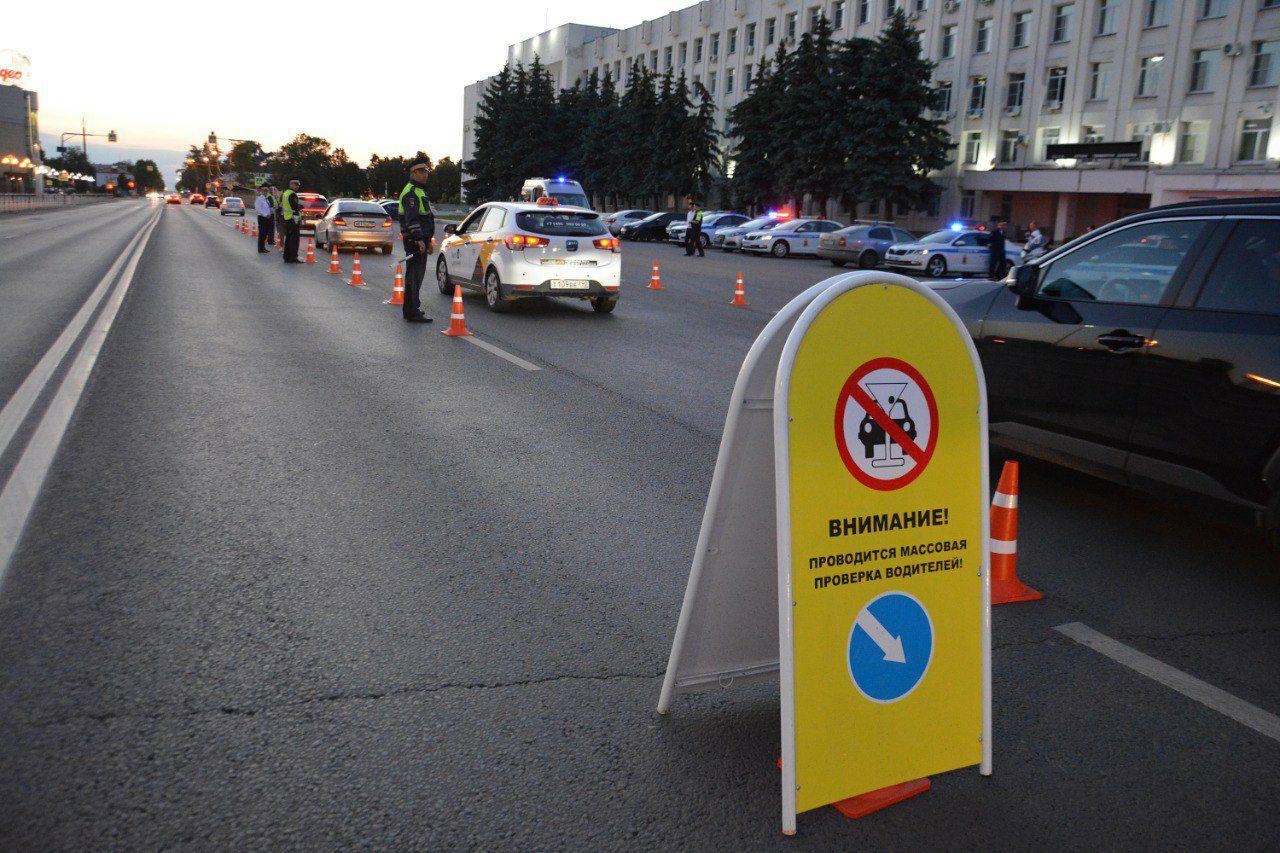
693,239
415,271
266,232
291,239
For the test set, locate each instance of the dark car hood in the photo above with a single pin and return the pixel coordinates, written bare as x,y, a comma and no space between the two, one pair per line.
971,299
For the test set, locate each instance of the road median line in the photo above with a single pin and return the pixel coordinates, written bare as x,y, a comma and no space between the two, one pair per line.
501,353
1262,722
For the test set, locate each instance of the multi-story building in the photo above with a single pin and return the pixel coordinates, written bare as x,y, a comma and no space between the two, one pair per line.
19,141
1068,112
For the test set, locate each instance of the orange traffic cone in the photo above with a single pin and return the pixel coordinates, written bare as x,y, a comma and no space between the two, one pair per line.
739,295
334,268
1005,586
655,281
457,322
279,242
397,287
357,280
311,251
255,231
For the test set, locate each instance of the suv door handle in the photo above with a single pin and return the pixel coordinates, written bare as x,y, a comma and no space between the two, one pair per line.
1121,339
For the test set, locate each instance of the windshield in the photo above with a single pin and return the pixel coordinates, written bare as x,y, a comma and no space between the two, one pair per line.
939,237
560,223
573,199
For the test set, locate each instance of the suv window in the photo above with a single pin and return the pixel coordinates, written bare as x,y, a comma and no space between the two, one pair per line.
560,224
1246,276
472,223
1133,266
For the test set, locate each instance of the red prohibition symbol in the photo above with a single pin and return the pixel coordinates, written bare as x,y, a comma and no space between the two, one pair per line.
886,424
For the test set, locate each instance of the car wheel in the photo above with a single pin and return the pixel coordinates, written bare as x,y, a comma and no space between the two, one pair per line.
780,249
604,304
705,240
493,296
937,266
869,260
442,277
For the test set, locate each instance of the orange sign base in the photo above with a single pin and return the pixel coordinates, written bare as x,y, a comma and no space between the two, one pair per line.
864,804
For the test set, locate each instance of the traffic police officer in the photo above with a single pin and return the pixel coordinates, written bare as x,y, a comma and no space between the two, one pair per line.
291,214
693,234
417,230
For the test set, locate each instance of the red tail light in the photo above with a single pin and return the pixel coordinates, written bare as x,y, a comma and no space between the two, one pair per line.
520,241
843,242
339,221
613,244
386,224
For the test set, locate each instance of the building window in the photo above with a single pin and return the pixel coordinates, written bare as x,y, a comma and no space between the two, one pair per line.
837,14
1048,136
666,58
942,96
1149,76
733,42
815,12
1213,8
653,59
1009,145
948,47
1263,70
749,37
972,147
1142,133
967,206
1193,139
1270,4
1098,74
1021,27
791,26
890,6
1062,22
1056,87
713,49
1204,69
1255,134
982,36
728,81
864,11
1093,133
977,94
617,70
1106,18
1155,13
770,31
684,52
1015,91
697,50
711,82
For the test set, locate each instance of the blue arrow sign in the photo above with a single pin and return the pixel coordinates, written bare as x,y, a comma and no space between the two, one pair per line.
890,647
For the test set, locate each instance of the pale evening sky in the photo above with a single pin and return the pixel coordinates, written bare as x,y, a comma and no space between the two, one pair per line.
383,77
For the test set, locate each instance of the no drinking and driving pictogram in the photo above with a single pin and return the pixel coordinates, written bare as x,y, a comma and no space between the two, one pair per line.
886,423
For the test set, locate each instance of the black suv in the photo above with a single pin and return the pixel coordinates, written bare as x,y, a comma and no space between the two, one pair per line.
1147,352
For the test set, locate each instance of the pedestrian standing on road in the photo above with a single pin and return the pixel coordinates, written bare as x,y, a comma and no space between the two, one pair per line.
1036,242
996,260
693,233
417,231
265,207
291,213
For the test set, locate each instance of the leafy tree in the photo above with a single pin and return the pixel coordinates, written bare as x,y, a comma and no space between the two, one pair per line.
445,181
146,175
487,168
305,158
245,160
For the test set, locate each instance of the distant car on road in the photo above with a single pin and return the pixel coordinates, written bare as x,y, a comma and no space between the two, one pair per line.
652,227
1146,352
212,201
232,205
730,239
950,250
712,223
352,223
794,237
195,198
313,207
173,198
516,250
615,221
864,245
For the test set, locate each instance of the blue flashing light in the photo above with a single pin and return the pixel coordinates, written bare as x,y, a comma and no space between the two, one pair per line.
560,179
956,226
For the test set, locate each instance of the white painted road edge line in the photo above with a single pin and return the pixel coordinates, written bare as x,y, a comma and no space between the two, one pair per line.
24,484
19,406
1262,722
501,353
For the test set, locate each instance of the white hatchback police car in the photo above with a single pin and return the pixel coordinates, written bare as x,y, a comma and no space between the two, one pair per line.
514,250
951,250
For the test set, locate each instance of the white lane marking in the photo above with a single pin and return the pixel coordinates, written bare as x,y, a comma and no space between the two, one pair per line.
19,406
1262,722
24,484
501,353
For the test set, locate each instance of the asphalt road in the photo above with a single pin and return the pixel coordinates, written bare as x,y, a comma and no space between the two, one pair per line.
302,575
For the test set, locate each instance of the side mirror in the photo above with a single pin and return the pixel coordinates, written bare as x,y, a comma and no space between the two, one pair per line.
451,228
1025,279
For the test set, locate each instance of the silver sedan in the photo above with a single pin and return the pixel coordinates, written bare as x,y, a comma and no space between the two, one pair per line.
351,223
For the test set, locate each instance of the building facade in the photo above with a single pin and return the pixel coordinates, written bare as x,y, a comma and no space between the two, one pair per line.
19,141
1066,112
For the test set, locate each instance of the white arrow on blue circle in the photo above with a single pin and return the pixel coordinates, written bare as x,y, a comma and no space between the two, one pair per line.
890,645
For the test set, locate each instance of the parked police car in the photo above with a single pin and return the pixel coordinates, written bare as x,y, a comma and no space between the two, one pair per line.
712,223
951,250
730,239
794,237
514,250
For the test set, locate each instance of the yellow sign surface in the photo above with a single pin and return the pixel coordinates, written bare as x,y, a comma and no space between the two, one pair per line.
886,515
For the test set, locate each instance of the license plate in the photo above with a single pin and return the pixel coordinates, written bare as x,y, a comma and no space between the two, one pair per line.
568,283
363,223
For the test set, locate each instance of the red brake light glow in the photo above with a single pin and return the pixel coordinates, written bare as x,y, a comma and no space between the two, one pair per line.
613,244
339,221
520,241
386,224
